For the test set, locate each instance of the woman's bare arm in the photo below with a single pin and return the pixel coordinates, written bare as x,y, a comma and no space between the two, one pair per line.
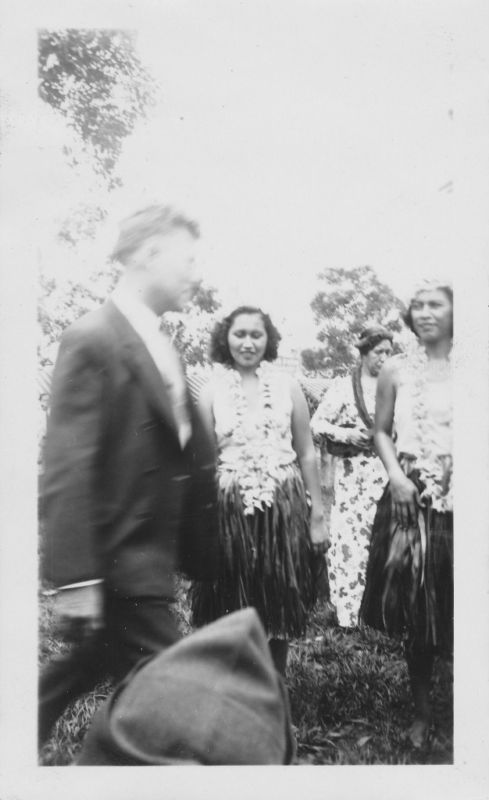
306,455
405,498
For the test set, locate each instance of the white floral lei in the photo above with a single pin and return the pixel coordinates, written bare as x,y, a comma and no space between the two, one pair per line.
434,474
256,468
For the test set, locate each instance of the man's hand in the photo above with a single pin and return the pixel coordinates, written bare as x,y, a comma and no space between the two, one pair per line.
79,611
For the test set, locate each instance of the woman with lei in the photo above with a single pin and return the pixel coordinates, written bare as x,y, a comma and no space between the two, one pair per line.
343,428
409,587
270,530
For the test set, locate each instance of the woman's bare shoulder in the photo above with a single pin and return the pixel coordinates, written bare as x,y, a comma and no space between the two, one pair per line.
392,368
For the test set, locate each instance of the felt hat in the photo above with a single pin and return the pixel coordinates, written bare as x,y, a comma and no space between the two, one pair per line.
212,698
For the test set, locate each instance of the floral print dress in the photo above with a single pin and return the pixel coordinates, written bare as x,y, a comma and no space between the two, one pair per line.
357,483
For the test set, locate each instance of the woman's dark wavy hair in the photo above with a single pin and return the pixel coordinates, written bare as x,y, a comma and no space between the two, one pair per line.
407,316
219,348
371,337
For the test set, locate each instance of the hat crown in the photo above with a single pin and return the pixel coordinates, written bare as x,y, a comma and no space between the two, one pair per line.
212,698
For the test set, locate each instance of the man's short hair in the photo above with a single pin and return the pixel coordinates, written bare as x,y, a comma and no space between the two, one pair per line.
153,220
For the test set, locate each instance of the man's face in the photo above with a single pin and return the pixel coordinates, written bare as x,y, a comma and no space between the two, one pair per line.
173,276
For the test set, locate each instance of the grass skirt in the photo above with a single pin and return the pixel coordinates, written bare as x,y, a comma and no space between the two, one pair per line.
266,560
409,581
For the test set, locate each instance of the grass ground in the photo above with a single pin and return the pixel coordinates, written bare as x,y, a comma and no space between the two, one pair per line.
349,697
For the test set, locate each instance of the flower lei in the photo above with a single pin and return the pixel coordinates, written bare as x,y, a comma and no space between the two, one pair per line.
256,467
435,473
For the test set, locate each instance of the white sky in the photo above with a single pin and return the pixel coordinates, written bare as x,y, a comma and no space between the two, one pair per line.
304,135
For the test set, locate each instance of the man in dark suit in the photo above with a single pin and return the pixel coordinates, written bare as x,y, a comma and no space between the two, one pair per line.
129,485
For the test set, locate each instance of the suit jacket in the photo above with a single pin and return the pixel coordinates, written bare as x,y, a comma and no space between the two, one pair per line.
122,501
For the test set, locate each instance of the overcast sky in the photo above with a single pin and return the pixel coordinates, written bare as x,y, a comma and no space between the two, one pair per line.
303,135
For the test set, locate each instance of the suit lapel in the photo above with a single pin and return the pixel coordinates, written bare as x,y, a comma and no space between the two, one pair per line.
141,364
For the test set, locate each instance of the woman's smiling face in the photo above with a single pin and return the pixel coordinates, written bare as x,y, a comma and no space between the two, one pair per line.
432,315
247,340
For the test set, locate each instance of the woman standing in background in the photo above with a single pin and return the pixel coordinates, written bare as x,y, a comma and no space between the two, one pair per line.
343,427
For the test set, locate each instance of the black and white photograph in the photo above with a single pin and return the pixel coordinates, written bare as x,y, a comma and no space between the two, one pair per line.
246,451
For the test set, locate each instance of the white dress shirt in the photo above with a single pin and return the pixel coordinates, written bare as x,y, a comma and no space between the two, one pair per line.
147,325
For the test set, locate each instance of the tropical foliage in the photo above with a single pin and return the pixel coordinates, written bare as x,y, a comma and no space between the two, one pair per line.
95,79
347,301
60,304
190,331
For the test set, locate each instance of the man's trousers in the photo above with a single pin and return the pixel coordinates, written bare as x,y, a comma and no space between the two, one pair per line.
135,627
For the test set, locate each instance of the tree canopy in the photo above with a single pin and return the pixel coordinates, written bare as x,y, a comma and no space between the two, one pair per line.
347,301
190,330
61,304
96,80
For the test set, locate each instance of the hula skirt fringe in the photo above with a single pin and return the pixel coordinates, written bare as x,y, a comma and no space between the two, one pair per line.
409,580
266,561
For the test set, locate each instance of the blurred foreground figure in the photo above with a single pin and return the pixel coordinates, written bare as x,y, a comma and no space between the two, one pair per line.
409,586
212,698
343,427
129,483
